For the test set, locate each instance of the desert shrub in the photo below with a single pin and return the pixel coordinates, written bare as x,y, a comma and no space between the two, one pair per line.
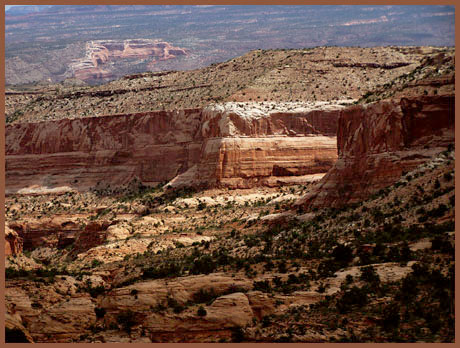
100,312
11,273
293,279
408,289
437,184
201,311
96,291
171,269
251,241
354,297
204,296
368,274
203,265
321,288
201,206
262,285
237,334
439,211
342,254
176,306
391,318
127,320
447,176
327,268
282,266
438,243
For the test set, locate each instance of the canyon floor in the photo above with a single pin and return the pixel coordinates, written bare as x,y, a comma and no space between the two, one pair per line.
360,249
144,265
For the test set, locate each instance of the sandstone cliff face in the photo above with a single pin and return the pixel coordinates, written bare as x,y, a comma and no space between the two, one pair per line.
248,162
79,153
199,147
378,142
13,242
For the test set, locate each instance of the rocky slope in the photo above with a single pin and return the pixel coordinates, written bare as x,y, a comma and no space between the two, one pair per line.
262,75
379,142
215,146
216,274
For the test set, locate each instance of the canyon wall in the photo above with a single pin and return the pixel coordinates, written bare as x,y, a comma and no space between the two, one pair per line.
210,147
79,153
379,142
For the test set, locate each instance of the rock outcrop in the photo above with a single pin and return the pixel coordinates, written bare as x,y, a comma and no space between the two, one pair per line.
55,232
13,242
379,142
211,147
145,310
99,52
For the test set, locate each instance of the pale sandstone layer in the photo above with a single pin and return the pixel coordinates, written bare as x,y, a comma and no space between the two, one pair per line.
100,52
379,142
210,147
65,313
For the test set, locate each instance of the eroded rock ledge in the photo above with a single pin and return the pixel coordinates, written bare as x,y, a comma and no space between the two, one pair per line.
378,142
226,145
99,52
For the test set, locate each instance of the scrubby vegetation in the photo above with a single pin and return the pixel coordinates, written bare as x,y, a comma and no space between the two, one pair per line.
380,271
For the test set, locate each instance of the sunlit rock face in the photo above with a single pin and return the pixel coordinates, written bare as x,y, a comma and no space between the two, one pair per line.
378,142
223,145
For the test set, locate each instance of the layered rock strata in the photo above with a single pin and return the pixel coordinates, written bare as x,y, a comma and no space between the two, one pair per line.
99,52
66,314
13,242
210,147
379,142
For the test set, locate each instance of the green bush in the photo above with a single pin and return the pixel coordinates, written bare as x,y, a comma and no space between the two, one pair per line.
237,334
369,275
96,291
354,297
204,296
342,254
177,308
391,318
100,312
262,285
203,265
201,311
171,269
127,320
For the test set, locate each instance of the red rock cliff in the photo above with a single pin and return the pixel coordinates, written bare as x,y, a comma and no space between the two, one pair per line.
13,242
378,142
211,147
79,153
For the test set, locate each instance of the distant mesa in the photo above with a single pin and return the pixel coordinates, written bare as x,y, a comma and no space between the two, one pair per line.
100,52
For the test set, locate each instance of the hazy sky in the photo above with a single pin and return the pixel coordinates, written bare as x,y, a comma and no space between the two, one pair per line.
8,6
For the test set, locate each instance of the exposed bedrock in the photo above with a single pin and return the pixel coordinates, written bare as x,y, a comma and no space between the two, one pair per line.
378,142
210,147
99,52
13,242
